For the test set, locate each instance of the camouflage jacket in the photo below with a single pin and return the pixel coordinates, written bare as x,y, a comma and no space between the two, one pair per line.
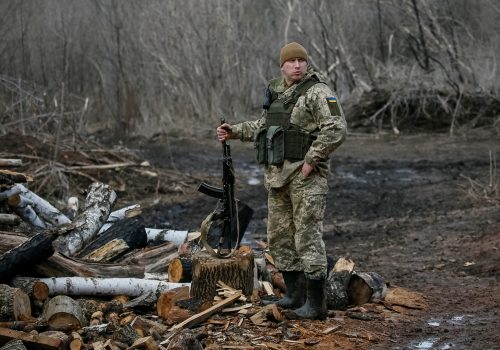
312,112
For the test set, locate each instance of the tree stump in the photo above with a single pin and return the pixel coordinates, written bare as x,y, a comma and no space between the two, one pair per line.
236,271
15,304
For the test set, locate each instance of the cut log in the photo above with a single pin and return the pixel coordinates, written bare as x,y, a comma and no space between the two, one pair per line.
43,208
366,286
179,269
15,304
76,341
337,283
14,344
98,203
167,300
9,240
25,326
63,313
147,343
9,219
187,339
23,207
107,286
120,214
10,162
10,178
161,235
150,255
7,193
21,258
268,312
36,290
31,341
131,231
147,326
236,271
60,265
109,251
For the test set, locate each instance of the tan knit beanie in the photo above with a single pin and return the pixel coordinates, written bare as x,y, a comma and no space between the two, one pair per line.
292,50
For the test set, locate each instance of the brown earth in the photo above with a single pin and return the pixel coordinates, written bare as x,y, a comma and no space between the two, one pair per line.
415,209
404,207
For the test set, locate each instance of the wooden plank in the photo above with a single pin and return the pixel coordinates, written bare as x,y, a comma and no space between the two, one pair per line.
31,341
200,317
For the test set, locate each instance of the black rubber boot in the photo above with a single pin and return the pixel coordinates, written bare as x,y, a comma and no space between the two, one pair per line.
315,306
295,293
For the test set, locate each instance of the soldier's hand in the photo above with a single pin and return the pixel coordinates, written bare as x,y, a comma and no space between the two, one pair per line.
224,132
307,169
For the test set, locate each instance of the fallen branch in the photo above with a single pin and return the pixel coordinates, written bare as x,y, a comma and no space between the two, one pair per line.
98,205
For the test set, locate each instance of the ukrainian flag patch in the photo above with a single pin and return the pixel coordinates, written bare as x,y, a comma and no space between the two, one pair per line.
333,105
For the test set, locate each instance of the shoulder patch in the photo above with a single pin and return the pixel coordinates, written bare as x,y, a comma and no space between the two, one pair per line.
333,105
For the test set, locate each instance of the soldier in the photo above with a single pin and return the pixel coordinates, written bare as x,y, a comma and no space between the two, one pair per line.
301,124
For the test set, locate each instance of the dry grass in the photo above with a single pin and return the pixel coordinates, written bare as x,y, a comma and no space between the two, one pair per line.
488,190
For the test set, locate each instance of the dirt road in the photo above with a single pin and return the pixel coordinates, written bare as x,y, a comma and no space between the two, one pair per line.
402,207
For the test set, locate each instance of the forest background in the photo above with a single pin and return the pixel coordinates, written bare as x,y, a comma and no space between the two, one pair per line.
175,67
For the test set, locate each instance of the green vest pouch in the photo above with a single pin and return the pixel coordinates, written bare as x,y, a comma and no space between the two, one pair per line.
260,145
275,138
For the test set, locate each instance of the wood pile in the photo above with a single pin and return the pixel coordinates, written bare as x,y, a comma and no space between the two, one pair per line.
100,279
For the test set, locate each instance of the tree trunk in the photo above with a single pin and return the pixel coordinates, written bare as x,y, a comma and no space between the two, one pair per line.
236,271
131,231
98,205
15,304
63,313
107,286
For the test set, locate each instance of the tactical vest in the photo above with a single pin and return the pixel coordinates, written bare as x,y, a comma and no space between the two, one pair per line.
280,139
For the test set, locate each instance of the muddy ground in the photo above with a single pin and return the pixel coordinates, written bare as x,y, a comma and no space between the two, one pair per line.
414,209
404,207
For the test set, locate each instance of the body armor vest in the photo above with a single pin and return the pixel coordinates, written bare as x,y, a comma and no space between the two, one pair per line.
280,139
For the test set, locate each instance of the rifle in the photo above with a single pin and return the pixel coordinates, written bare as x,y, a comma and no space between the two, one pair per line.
227,209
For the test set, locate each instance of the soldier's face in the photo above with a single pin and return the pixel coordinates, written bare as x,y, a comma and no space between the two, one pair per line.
294,69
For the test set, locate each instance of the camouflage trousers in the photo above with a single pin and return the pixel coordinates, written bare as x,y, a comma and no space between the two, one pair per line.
295,225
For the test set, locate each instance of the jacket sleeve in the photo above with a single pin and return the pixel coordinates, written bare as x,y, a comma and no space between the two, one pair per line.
329,117
245,131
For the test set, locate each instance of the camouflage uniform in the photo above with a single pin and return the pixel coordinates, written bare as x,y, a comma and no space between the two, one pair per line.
296,204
